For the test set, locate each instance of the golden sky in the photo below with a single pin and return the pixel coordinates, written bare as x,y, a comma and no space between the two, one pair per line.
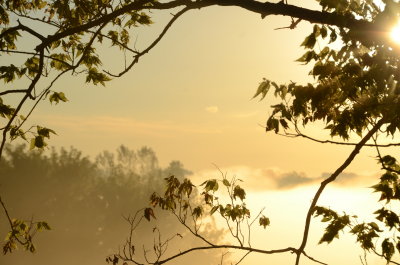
190,100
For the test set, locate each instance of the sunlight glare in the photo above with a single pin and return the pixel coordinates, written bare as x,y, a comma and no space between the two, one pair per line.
395,33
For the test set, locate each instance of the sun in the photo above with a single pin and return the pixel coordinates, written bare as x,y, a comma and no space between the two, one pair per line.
395,33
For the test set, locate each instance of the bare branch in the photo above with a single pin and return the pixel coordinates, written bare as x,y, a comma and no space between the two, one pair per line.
299,134
13,91
136,5
283,250
6,212
311,258
242,258
382,256
152,45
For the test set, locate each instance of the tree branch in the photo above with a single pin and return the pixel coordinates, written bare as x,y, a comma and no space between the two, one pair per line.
249,249
136,5
299,134
23,28
13,91
324,183
21,103
312,16
152,45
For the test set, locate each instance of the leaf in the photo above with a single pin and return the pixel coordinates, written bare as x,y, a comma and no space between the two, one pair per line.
210,185
226,182
307,57
264,221
239,192
309,41
42,225
95,77
387,249
57,97
214,209
37,142
197,212
148,213
44,132
263,89
323,31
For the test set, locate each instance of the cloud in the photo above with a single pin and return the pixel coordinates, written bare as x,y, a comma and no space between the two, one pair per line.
246,114
293,179
348,179
258,179
124,126
212,109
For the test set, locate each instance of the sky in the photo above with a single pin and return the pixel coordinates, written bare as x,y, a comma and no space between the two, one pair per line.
190,99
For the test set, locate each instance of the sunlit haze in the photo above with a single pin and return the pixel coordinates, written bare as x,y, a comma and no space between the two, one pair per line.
395,33
190,100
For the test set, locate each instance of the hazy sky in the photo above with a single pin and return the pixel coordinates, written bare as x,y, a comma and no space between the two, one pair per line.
190,99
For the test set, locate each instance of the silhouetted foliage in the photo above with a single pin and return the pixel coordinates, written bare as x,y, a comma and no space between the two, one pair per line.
83,200
355,92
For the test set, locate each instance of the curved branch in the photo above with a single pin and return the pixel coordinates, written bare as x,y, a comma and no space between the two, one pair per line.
324,183
136,5
23,28
299,134
249,249
6,212
312,16
153,44
34,54
382,256
44,92
13,91
21,103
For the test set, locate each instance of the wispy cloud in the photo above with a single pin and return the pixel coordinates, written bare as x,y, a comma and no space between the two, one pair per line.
257,179
123,126
212,109
246,114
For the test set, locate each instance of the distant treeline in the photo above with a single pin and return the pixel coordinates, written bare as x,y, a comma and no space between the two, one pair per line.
83,200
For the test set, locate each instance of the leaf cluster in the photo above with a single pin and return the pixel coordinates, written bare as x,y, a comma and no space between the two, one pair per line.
64,49
22,232
353,85
381,233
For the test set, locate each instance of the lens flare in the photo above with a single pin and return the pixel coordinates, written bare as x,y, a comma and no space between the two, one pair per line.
395,33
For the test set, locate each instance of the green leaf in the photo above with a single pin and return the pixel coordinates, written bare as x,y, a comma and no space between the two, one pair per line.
226,182
95,77
42,225
57,97
44,132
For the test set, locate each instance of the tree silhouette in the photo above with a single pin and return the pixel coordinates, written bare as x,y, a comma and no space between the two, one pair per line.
355,88
83,201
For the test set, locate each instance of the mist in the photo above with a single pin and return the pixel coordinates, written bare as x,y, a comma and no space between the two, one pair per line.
85,200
